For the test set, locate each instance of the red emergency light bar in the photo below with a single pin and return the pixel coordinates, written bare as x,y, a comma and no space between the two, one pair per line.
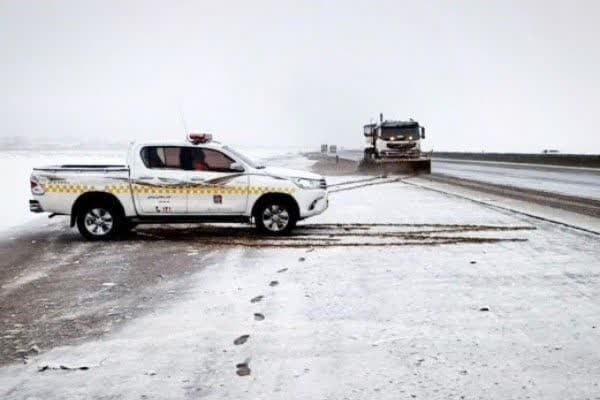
199,138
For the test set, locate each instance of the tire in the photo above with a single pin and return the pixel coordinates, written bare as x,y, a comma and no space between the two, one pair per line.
100,221
275,216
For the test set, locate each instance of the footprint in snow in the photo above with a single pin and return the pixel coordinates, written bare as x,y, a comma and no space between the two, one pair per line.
259,316
274,283
242,368
257,299
241,340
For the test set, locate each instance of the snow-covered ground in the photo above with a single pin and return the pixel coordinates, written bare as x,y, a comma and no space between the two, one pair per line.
15,169
511,319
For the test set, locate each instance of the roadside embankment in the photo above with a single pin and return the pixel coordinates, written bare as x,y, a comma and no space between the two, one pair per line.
328,165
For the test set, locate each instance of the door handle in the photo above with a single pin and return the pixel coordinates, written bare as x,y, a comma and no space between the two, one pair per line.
145,178
197,179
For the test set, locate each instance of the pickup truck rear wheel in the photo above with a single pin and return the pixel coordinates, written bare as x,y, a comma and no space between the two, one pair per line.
99,222
275,217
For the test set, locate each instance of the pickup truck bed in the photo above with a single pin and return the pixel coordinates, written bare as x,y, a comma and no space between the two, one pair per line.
82,168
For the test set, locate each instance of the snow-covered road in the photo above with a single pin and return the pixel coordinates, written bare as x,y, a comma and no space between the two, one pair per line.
579,182
570,181
513,318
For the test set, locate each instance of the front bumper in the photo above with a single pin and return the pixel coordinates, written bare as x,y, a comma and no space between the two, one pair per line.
315,206
400,154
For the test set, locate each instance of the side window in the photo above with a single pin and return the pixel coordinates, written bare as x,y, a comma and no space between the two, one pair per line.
210,160
162,157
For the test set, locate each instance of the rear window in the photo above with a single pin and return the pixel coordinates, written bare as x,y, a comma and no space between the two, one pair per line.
162,157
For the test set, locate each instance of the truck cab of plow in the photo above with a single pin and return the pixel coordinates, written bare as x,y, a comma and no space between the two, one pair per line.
395,146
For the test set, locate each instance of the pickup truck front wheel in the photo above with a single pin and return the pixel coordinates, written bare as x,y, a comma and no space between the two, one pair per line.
99,222
275,217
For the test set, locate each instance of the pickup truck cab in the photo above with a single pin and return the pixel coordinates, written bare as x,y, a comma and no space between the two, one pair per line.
168,182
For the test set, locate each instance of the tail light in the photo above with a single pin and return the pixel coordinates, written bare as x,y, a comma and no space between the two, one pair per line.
36,186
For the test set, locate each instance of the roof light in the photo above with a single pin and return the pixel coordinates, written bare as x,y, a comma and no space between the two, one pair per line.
199,138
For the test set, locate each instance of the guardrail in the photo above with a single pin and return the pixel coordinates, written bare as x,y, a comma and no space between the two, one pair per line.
571,160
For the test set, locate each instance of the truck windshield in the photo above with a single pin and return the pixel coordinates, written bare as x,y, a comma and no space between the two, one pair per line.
243,158
401,133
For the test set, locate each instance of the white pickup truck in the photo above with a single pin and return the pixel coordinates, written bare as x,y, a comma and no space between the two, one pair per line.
195,181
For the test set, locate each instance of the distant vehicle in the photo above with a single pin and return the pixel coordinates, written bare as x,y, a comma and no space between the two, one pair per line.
168,182
395,145
550,151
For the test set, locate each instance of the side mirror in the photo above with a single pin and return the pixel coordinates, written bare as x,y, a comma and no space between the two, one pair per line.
237,167
422,132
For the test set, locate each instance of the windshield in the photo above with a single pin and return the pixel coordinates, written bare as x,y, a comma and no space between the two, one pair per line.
243,158
404,133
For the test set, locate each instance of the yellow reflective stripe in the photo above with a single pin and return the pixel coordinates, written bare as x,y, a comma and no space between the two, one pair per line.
140,189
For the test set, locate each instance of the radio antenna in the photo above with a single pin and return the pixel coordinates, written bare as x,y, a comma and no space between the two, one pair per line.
185,128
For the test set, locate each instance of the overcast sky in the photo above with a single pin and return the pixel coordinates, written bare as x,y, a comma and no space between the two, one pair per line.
480,75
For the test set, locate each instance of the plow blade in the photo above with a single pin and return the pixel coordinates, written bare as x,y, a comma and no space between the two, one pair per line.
396,166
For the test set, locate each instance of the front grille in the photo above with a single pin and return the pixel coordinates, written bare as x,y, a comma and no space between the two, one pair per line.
401,146
323,184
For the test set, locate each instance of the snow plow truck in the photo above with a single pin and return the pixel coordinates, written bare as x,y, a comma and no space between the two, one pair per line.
395,147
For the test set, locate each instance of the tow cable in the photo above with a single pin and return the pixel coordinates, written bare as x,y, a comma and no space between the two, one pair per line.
358,181
361,183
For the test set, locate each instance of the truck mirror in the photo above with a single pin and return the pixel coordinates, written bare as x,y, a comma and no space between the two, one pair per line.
422,132
237,167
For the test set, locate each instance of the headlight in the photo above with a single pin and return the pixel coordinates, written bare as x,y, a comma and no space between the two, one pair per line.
307,183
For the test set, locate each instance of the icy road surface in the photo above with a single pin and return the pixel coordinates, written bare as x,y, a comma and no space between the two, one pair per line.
580,182
461,301
571,181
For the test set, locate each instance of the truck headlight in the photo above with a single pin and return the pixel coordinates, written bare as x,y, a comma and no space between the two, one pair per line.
307,183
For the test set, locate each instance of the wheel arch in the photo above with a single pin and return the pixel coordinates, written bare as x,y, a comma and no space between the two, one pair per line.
99,197
277,196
